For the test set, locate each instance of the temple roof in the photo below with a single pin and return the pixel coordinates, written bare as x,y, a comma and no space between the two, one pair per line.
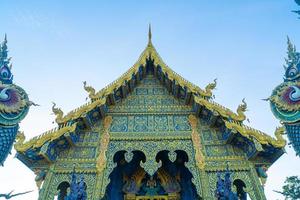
180,87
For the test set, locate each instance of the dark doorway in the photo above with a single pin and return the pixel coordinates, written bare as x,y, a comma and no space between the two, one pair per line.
63,190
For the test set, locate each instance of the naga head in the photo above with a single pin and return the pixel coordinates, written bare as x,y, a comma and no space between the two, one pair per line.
57,112
242,107
292,66
90,90
211,86
285,99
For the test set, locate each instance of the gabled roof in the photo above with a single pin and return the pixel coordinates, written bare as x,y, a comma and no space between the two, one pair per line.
202,96
180,87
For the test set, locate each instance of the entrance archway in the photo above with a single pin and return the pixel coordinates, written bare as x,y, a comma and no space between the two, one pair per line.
171,181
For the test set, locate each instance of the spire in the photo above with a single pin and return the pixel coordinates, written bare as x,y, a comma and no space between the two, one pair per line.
3,52
149,35
292,54
5,38
4,44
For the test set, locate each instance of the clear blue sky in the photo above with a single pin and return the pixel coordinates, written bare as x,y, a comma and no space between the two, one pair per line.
56,45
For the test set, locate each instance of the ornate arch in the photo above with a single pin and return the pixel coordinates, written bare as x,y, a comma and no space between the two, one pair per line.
245,177
150,149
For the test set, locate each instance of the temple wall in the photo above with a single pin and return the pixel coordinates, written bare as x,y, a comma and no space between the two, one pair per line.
83,156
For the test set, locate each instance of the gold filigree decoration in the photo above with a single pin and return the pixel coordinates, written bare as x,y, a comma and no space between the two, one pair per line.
101,161
57,112
224,112
276,97
197,143
22,146
261,137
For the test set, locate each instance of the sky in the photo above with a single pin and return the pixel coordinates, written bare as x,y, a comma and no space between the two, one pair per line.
56,45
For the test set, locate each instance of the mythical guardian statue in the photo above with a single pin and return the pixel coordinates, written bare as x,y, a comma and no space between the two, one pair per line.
285,98
14,104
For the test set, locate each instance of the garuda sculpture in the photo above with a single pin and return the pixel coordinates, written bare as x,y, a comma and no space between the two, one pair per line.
285,98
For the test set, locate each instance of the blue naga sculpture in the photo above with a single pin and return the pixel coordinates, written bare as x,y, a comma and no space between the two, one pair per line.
285,98
224,188
77,189
14,104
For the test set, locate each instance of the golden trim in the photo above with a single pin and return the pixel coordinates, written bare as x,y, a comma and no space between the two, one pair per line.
101,161
78,170
38,141
200,160
261,137
225,158
147,138
74,114
224,112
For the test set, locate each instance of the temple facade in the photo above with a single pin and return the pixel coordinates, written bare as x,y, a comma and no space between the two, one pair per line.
149,135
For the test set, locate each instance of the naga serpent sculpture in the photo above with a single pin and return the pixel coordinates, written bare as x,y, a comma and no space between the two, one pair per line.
285,98
14,104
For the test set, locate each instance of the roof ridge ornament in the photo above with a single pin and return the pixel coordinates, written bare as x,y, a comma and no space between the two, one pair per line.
57,112
149,35
242,108
211,86
91,91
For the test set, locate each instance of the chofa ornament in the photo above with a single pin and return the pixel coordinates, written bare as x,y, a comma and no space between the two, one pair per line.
14,104
285,98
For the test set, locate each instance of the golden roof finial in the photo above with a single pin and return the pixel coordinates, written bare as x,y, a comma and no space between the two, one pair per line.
57,112
149,34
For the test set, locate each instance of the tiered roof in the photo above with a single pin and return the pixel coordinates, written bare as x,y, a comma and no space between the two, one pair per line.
201,99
